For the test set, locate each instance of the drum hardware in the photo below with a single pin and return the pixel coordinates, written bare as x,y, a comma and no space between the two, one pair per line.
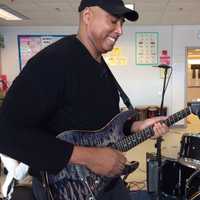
179,181
179,178
196,196
159,140
192,188
190,150
190,163
171,179
152,172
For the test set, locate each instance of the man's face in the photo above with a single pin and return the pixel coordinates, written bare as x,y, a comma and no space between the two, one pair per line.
103,29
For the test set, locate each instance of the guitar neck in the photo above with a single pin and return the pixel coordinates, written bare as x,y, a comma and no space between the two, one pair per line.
136,138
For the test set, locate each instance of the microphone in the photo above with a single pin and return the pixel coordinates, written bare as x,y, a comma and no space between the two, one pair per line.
164,66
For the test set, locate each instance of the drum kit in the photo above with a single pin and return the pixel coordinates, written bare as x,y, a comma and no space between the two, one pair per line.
180,178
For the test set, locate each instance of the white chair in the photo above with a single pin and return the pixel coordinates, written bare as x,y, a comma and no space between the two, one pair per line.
16,171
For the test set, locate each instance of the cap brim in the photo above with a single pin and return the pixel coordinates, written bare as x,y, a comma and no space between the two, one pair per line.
120,11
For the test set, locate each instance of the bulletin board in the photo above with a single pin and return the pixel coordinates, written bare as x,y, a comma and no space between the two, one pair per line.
29,45
116,57
146,48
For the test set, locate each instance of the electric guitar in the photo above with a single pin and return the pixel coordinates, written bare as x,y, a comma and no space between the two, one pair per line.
77,182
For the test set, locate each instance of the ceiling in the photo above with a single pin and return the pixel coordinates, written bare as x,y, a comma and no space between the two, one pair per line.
64,12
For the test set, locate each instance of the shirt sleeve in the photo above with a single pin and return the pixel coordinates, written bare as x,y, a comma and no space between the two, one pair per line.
31,99
127,126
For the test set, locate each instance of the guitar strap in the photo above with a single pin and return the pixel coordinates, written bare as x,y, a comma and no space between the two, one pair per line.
122,94
46,186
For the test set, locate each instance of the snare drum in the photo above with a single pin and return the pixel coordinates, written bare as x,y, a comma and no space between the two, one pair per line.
190,150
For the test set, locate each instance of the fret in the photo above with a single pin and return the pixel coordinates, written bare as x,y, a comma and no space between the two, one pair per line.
176,118
148,132
173,119
130,142
121,145
127,144
137,138
180,115
125,147
142,136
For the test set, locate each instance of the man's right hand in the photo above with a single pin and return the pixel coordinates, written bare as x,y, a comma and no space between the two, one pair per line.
102,161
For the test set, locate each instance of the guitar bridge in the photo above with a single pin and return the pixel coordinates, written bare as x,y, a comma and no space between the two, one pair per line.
130,167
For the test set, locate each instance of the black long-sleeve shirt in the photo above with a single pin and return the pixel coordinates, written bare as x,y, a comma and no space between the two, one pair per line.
59,89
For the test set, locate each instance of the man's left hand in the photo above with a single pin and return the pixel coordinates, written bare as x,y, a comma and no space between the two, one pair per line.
159,127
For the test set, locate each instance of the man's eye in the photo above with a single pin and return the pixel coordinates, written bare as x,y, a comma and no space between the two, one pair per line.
114,21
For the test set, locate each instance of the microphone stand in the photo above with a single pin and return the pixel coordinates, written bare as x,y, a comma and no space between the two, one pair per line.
159,140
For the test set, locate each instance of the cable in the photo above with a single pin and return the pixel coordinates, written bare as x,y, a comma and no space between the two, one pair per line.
171,70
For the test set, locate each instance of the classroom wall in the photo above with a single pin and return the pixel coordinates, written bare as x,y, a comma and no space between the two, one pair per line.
142,83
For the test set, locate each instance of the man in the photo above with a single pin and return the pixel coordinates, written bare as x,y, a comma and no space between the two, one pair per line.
67,86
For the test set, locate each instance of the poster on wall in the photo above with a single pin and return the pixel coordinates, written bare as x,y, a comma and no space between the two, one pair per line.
29,45
116,57
146,48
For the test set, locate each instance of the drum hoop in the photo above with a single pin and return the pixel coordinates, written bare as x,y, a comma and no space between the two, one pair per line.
197,194
191,135
168,196
189,162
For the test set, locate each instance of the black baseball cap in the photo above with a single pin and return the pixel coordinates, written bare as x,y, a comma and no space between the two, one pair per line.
114,7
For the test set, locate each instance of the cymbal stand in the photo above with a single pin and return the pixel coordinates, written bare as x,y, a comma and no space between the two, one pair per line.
160,139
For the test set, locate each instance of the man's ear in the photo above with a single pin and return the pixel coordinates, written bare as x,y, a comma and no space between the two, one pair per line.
86,15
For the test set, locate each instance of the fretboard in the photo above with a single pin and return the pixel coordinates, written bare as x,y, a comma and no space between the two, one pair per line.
136,138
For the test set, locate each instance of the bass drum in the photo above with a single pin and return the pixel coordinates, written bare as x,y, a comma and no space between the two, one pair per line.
174,176
190,150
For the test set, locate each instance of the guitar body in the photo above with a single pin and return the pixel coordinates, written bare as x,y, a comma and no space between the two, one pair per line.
76,181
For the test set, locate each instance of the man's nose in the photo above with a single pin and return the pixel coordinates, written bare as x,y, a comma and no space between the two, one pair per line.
119,29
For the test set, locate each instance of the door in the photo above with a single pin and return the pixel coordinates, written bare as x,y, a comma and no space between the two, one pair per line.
193,82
